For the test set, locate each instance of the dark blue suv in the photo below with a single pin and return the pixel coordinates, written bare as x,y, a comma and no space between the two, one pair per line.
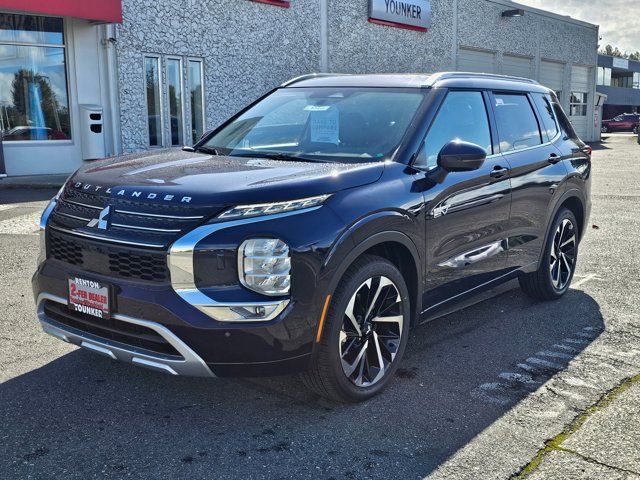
310,232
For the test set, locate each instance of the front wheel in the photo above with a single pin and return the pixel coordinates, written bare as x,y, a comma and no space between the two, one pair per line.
552,280
364,334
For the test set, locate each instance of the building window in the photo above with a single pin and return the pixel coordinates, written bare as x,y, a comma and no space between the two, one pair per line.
636,80
167,97
174,90
34,100
196,95
578,105
154,103
604,76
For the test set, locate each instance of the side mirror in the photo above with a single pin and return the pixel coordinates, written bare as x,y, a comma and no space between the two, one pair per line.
459,156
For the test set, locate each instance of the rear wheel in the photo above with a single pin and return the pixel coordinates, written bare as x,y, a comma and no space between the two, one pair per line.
364,334
552,280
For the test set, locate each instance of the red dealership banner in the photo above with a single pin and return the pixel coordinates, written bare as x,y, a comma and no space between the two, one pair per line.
277,3
107,11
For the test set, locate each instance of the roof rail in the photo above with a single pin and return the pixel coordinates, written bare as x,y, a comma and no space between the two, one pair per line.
446,75
309,76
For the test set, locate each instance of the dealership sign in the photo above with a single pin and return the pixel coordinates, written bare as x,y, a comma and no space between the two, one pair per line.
411,14
620,63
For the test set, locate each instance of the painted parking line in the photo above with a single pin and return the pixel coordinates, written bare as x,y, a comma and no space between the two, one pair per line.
529,375
584,280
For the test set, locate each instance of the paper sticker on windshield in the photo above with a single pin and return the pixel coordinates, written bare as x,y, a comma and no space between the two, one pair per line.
317,108
325,126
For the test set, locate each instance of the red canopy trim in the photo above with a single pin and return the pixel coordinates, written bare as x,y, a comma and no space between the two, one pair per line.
107,11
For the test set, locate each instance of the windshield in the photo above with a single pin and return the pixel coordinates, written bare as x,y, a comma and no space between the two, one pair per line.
352,124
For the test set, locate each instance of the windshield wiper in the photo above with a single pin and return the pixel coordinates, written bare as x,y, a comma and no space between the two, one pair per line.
277,156
209,150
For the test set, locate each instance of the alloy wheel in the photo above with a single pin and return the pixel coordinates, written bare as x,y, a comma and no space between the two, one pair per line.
371,331
563,254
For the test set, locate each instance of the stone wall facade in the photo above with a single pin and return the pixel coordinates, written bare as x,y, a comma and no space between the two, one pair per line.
249,48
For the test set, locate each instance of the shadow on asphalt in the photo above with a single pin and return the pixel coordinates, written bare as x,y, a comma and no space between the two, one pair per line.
82,414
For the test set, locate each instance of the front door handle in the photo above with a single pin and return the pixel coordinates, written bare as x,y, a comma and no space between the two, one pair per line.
498,172
554,158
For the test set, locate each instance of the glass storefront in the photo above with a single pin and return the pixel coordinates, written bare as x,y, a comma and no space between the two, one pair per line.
34,102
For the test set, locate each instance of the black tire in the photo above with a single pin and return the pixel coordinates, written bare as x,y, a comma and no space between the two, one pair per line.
549,282
604,129
327,376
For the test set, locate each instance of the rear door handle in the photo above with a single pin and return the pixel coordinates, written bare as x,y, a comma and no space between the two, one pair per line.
554,158
498,172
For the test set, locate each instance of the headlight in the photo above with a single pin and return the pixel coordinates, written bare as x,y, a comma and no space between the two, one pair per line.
244,211
264,266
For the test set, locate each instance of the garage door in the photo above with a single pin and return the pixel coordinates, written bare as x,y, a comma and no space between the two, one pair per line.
579,100
481,61
552,76
516,66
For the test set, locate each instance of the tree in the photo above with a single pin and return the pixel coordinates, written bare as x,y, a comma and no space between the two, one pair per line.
27,83
612,51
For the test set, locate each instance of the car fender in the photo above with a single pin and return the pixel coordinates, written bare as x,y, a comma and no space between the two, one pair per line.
364,234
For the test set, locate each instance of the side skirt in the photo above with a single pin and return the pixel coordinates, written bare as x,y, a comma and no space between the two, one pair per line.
457,301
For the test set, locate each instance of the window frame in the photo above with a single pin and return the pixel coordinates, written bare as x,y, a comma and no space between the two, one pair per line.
584,104
536,115
165,114
167,111
67,45
490,120
188,61
548,98
161,135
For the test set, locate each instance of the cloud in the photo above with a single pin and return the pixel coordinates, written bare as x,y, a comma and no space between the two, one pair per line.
618,19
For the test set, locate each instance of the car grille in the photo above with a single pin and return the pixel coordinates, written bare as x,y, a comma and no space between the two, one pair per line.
110,260
111,329
136,223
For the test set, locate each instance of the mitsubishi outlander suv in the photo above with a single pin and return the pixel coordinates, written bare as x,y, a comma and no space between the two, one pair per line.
311,232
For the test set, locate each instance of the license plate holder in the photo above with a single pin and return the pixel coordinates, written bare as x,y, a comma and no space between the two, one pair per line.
89,297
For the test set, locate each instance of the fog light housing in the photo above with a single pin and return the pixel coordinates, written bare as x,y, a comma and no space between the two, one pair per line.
264,266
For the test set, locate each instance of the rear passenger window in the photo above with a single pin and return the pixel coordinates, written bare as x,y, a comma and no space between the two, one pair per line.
517,124
543,102
463,116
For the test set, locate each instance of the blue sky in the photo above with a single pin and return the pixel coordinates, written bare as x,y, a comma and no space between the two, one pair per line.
619,20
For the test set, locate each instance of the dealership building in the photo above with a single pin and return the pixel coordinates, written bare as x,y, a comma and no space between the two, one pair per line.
619,80
85,80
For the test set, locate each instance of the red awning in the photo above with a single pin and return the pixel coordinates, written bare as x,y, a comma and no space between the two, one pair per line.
108,11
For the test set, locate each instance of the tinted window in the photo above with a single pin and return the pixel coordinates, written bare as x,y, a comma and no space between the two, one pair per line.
543,102
517,124
463,116
565,124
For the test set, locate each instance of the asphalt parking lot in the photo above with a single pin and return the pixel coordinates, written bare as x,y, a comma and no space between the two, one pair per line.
479,393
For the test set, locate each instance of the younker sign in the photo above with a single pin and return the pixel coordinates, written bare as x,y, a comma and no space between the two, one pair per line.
412,14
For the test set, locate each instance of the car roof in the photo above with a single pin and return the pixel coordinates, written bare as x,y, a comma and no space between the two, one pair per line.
418,80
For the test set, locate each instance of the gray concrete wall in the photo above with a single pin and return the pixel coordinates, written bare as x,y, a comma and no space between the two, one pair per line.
248,48
357,46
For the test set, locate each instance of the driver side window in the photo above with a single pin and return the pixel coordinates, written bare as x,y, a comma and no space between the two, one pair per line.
462,117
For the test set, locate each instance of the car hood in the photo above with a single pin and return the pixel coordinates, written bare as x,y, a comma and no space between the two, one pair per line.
176,176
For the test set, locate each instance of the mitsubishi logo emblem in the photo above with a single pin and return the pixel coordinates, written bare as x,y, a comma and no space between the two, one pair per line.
103,221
